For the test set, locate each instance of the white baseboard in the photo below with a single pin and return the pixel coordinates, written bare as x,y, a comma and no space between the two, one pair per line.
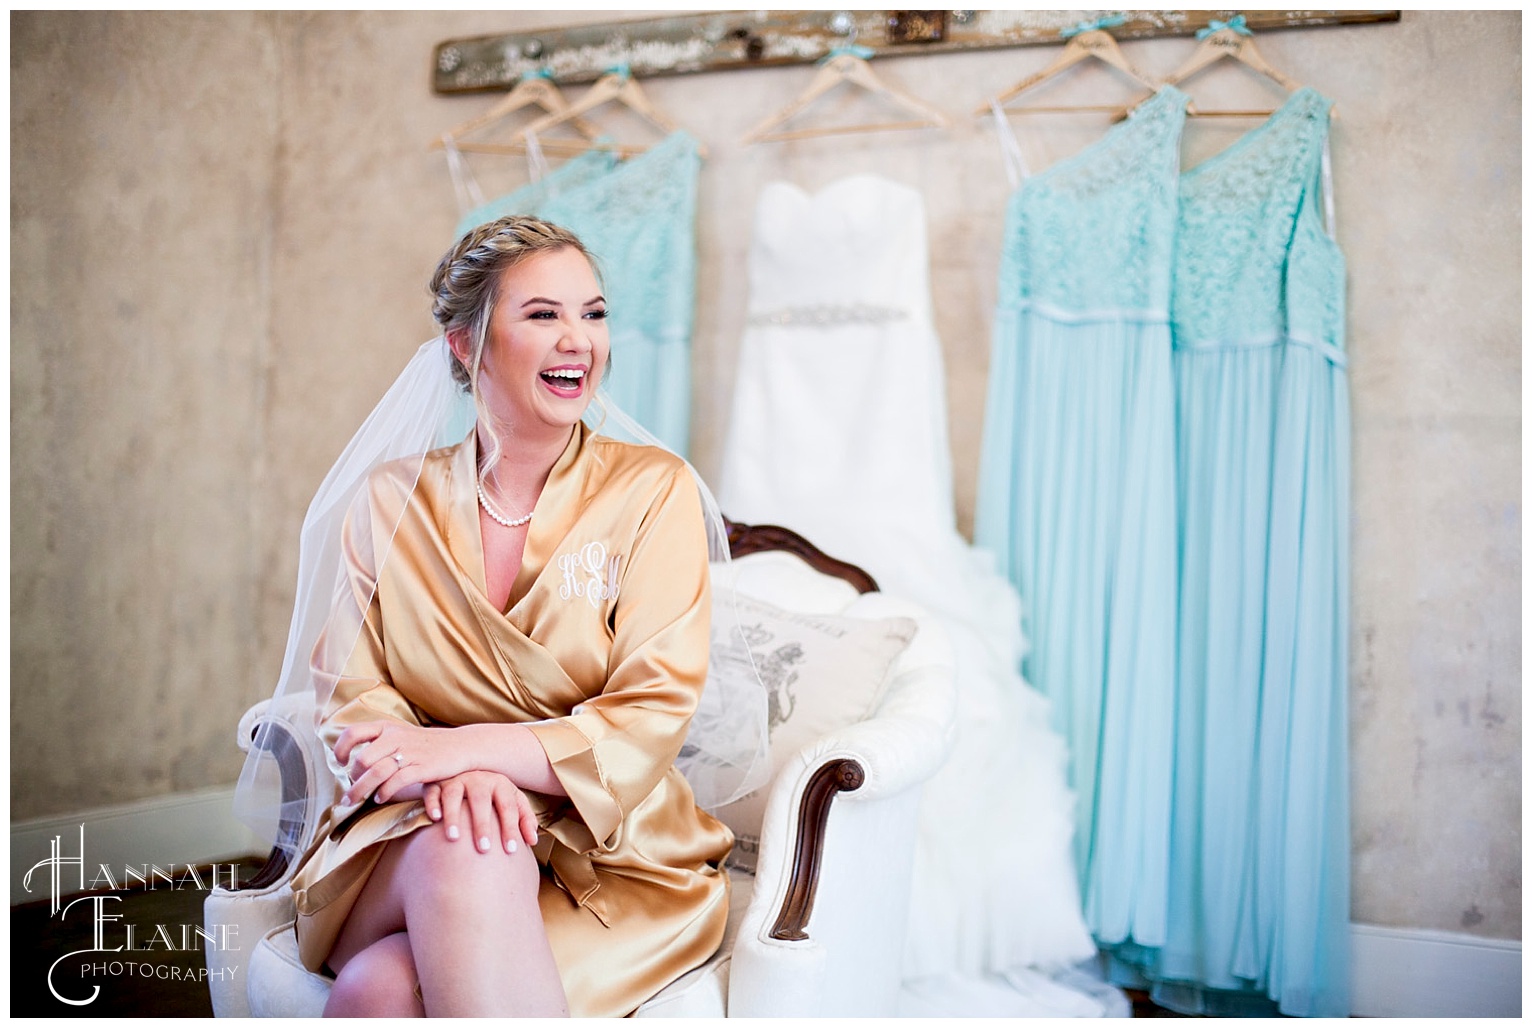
1416,972
171,832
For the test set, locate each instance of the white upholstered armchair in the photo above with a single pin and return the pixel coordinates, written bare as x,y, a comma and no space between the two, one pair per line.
862,714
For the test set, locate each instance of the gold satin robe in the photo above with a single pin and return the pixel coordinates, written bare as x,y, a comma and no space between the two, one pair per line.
604,649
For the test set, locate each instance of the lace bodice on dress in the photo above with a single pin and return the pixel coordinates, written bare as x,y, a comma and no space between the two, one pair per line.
1094,233
1253,260
639,219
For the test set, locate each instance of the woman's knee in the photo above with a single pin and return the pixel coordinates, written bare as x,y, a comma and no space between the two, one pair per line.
379,981
458,868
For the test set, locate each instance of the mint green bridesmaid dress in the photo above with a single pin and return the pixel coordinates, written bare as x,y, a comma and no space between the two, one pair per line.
1186,593
1260,855
1077,490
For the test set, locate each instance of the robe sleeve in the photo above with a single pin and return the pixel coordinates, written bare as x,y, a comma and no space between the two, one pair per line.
351,678
612,751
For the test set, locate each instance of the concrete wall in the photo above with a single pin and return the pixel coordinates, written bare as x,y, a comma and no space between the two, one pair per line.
222,226
144,157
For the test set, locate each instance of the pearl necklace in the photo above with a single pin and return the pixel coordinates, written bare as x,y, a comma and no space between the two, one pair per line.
492,512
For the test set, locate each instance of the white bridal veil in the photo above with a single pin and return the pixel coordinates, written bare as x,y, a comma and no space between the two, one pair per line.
725,755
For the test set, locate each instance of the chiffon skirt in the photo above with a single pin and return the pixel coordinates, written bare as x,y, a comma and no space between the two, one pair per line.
1260,855
1076,497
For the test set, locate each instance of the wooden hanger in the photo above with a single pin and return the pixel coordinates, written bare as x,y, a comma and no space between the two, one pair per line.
1228,39
1086,40
533,89
620,85
845,64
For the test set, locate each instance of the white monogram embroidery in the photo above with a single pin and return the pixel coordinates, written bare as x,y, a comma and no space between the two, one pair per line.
588,573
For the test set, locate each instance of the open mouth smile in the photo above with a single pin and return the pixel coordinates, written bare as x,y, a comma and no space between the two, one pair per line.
565,381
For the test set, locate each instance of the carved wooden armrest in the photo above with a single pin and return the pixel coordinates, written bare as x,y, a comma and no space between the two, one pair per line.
277,739
838,776
834,777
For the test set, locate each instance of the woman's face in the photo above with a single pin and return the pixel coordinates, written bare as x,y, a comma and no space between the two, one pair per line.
547,342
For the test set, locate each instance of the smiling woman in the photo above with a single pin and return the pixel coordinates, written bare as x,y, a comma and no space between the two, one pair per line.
505,681
533,369
522,293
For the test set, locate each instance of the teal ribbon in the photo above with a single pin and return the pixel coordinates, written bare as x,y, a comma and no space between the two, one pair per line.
1237,23
622,69
1104,22
864,52
539,73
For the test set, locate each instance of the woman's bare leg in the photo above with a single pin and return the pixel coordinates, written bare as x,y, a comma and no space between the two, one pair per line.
470,925
379,981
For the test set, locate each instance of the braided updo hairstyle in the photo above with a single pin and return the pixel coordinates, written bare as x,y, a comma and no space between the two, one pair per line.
466,286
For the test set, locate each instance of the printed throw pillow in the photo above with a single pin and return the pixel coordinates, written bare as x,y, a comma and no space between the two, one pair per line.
821,673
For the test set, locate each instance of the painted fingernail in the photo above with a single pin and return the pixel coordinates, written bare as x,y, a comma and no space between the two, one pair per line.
510,845
452,831
483,844
436,815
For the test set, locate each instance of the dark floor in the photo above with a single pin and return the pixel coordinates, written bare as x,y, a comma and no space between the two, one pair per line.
1143,1006
151,980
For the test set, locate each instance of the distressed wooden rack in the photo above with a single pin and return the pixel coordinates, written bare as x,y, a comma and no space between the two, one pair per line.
725,40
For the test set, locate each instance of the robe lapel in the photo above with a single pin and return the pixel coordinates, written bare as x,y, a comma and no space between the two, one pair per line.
519,658
558,509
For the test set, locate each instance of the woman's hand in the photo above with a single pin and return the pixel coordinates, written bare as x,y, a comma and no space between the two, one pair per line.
385,757
496,809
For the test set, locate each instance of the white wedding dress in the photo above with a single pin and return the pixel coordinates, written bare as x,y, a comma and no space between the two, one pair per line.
839,431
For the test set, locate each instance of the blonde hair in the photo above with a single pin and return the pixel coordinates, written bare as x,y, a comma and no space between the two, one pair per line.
466,286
